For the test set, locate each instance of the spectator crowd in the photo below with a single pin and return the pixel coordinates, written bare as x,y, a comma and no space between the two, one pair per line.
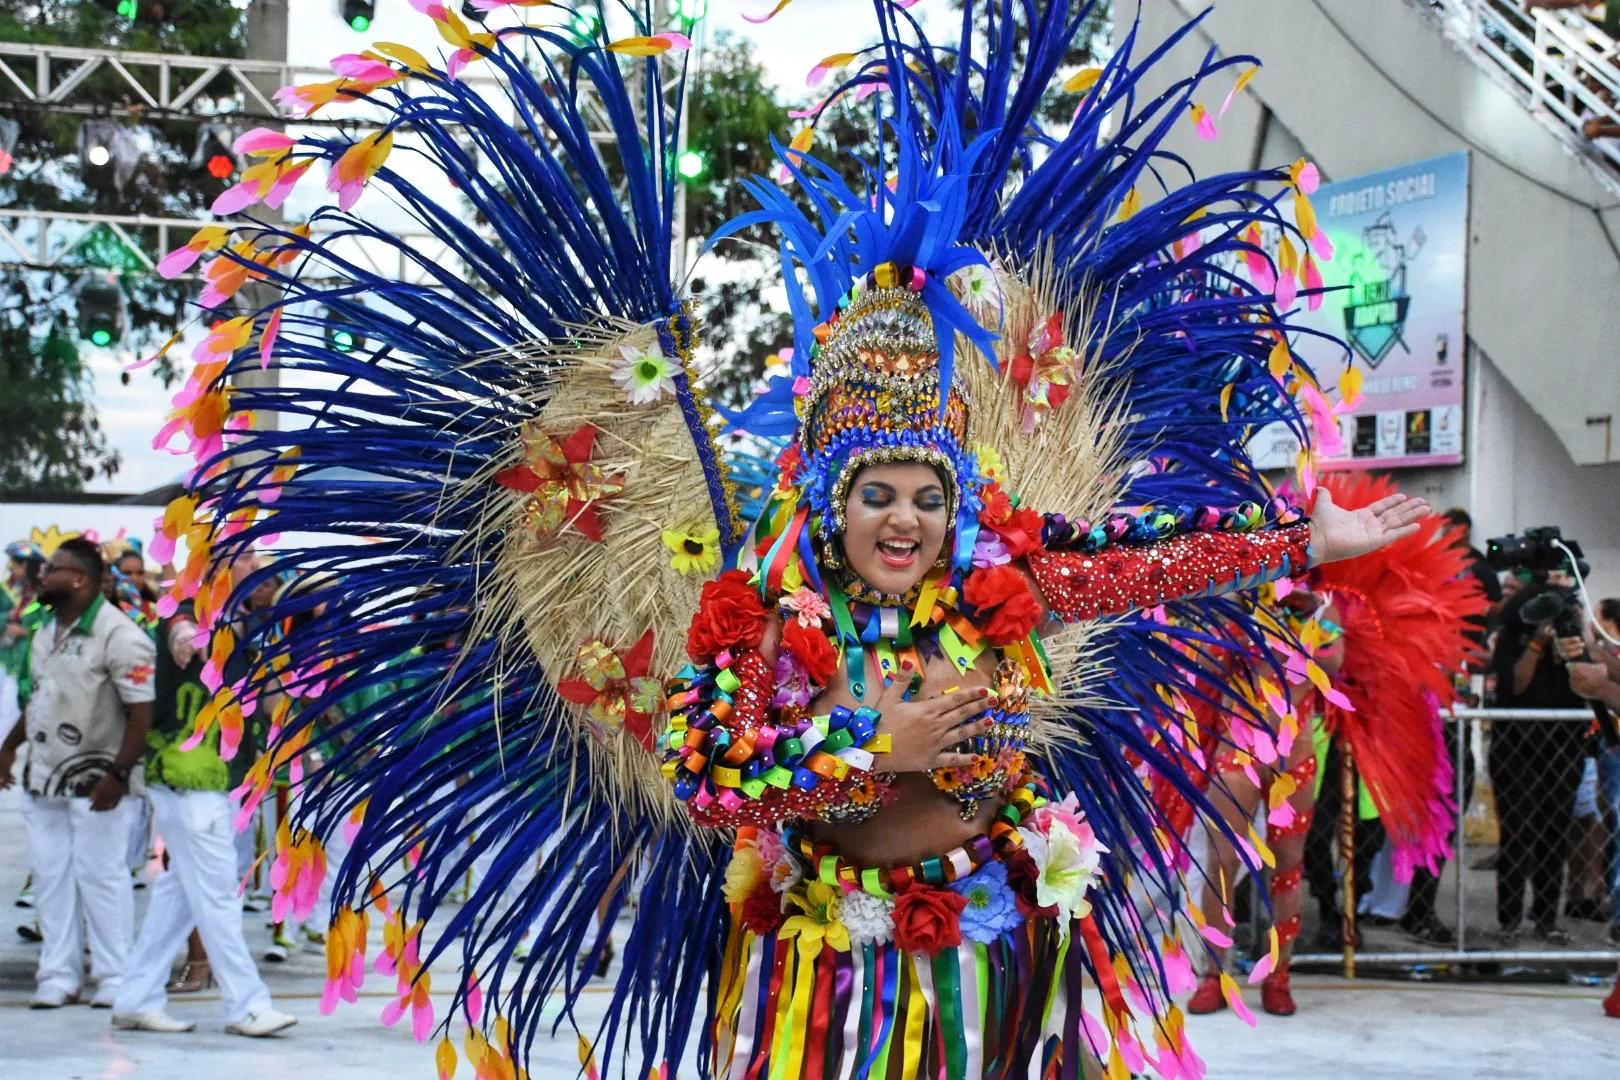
97,704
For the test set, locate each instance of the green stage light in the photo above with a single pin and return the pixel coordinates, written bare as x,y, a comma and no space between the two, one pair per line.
128,8
342,341
358,14
691,165
103,312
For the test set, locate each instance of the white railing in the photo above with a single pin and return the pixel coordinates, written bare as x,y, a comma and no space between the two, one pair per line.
1565,66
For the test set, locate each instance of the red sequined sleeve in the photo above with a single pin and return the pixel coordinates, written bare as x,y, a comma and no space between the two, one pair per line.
735,760
1088,585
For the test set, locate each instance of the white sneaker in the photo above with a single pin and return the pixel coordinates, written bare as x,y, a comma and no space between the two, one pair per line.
102,1000
52,997
150,1021
267,1021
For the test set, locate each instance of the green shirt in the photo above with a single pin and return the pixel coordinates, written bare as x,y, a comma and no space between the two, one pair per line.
181,695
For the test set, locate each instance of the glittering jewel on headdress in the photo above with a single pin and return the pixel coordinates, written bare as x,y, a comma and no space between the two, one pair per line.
875,394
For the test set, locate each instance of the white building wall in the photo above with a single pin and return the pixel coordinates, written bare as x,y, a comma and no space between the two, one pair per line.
1519,475
1363,85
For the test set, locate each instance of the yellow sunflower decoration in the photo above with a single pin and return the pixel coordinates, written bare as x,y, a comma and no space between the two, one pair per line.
693,552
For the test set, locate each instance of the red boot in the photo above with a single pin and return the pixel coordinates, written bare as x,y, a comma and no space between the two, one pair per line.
1208,997
1274,994
1611,1004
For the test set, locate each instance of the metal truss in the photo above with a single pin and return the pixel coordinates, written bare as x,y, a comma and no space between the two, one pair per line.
162,85
169,86
45,240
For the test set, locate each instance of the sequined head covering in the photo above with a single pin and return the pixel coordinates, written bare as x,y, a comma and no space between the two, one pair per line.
875,397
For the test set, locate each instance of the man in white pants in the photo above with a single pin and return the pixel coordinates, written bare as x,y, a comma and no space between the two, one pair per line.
88,694
196,817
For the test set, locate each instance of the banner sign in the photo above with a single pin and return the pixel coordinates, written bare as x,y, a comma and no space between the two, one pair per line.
1398,282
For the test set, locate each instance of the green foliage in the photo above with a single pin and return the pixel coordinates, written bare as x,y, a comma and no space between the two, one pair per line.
51,438
735,114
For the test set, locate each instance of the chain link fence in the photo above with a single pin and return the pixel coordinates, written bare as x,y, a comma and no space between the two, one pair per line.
1535,881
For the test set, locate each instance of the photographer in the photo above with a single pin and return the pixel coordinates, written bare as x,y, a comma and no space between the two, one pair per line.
1535,765
1594,674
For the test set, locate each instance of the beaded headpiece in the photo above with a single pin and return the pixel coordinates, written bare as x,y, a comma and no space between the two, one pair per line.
875,396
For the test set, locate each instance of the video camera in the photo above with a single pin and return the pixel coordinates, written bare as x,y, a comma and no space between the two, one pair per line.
1535,551
1538,551
1560,605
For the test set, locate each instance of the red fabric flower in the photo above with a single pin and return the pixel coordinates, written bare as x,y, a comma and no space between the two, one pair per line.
789,463
730,616
1021,876
762,911
928,920
1021,532
812,650
1018,526
998,506
1007,608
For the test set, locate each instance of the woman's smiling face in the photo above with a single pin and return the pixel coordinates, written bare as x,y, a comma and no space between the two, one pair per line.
896,522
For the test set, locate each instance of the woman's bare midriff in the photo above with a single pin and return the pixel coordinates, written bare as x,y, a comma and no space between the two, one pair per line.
920,821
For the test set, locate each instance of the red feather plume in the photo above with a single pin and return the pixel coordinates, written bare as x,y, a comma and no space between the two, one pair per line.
1404,612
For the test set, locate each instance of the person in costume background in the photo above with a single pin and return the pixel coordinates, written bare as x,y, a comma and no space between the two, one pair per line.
20,610
88,691
1287,786
1374,647
190,786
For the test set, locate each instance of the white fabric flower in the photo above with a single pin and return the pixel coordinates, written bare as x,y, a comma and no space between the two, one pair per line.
1067,870
980,290
869,919
786,873
645,375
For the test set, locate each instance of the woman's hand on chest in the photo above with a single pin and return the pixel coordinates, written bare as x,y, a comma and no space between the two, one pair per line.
945,709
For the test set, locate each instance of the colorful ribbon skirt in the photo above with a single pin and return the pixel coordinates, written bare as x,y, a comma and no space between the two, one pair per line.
955,975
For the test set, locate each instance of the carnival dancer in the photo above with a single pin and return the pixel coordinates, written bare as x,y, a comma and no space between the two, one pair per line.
1287,786
1369,650
1016,412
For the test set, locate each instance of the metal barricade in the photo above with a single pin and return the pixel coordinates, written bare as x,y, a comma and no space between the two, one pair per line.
1534,881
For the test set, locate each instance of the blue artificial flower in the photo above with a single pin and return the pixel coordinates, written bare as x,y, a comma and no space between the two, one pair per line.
992,909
